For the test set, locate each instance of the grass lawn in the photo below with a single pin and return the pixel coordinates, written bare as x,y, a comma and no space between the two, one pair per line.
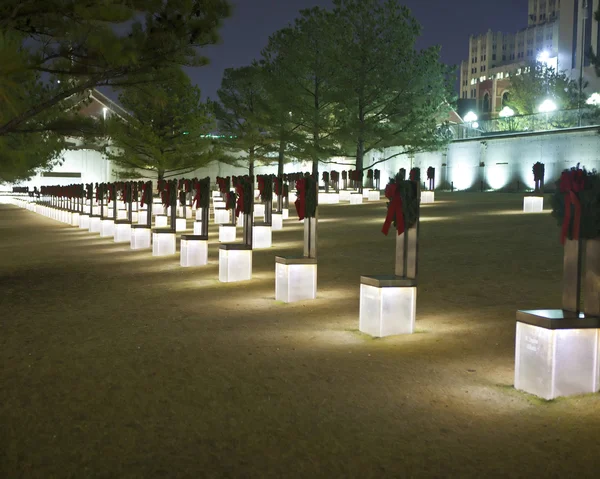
114,363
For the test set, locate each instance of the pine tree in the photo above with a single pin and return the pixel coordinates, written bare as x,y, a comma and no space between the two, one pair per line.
167,133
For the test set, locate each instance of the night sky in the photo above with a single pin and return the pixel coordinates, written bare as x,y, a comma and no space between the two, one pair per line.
445,22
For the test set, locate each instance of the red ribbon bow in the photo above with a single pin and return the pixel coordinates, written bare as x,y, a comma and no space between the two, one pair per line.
165,196
240,201
571,183
196,199
301,201
144,188
392,192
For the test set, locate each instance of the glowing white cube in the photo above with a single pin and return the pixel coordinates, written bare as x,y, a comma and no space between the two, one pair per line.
95,210
374,195
75,219
134,216
197,227
365,193
216,194
356,198
95,224
107,229
84,222
256,193
329,198
189,213
140,237
276,221
261,237
198,214
194,252
180,224
533,204
218,204
227,233
66,217
142,218
163,243
161,221
427,197
122,232
235,263
240,220
221,216
286,213
295,279
121,214
386,309
556,362
259,210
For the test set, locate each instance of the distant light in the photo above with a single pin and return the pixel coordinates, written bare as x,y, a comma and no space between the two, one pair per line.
471,116
104,111
594,99
549,62
543,56
475,124
547,106
57,81
506,112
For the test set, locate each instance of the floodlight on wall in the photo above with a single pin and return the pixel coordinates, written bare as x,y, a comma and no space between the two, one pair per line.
548,61
506,112
547,106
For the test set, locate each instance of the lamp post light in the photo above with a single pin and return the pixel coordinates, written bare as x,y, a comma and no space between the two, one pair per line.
471,120
547,106
506,112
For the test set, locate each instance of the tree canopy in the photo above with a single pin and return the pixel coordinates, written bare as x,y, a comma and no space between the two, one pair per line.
167,133
538,82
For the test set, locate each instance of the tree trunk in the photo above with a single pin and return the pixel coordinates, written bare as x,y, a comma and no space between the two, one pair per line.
160,175
251,162
280,175
360,153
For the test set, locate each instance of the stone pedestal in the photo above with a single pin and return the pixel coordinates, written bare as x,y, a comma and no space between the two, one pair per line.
533,204
295,279
75,219
84,222
345,195
262,236
197,227
194,250
95,224
387,305
163,242
141,237
122,231
285,213
427,197
180,224
235,263
161,221
107,229
221,216
276,221
374,195
556,353
227,233
356,198
259,210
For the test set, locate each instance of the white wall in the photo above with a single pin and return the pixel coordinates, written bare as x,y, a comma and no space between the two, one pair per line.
507,160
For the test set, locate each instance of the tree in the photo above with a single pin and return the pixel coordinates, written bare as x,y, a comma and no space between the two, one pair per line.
301,54
112,43
537,83
389,94
238,115
167,131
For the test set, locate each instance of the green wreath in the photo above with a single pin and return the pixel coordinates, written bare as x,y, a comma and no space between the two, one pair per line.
589,198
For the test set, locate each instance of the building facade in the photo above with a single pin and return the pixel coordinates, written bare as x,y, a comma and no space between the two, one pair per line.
558,32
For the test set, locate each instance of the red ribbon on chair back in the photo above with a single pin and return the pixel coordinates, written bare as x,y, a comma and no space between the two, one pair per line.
571,183
392,192
196,200
261,185
165,194
301,201
144,189
277,186
239,189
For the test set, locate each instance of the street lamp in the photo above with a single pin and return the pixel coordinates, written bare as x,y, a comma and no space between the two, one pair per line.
594,99
470,117
506,112
547,106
